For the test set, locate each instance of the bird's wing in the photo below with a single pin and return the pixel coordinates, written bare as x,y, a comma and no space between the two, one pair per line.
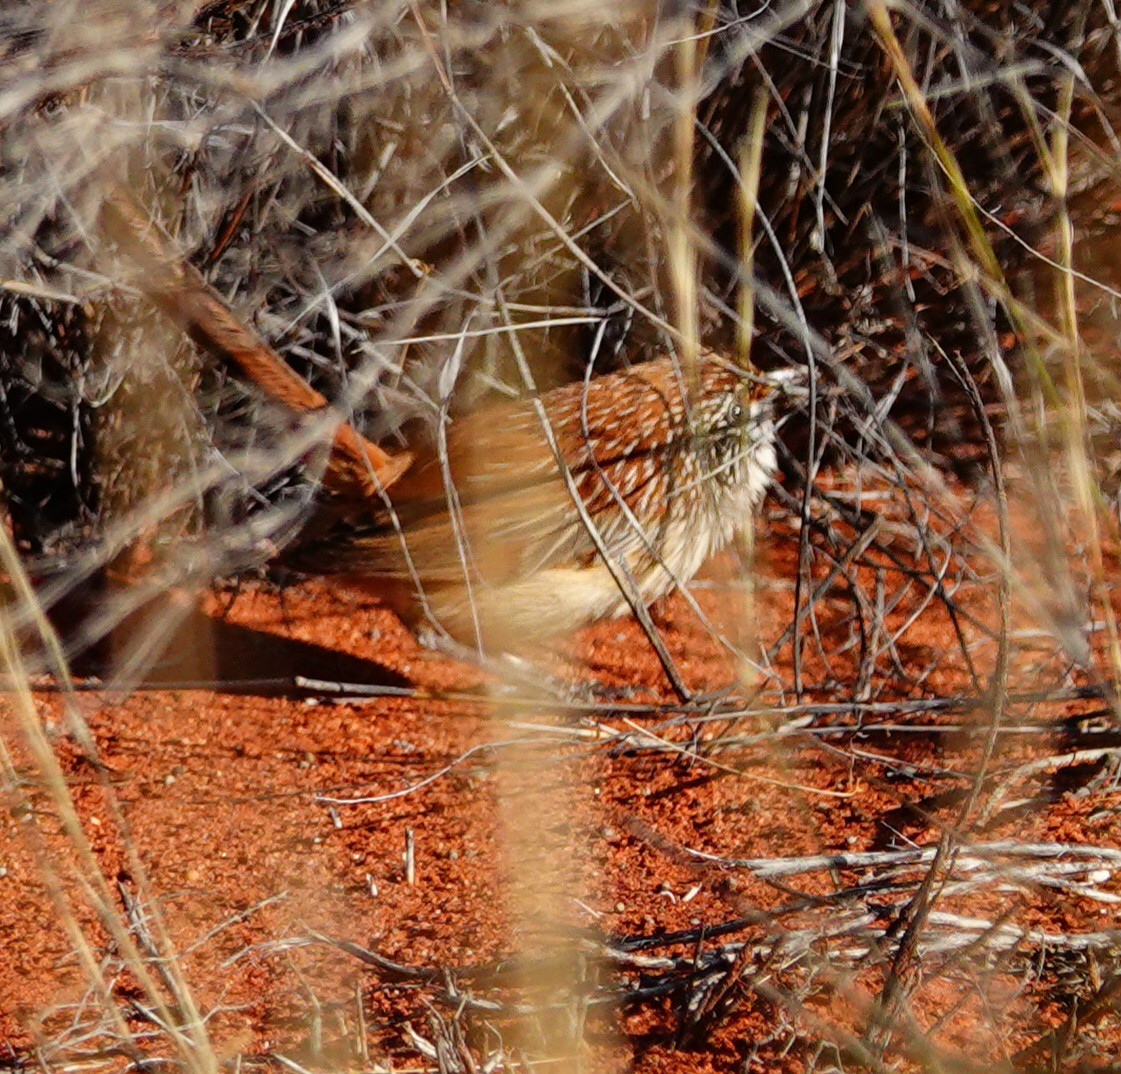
492,498
498,478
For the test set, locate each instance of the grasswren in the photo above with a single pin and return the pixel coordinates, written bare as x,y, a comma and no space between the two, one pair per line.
534,517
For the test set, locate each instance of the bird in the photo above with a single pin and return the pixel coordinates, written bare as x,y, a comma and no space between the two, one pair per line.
535,516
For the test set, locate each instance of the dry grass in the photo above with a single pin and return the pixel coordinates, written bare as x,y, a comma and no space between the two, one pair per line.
422,207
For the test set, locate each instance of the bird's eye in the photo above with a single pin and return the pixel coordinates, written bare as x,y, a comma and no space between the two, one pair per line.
735,413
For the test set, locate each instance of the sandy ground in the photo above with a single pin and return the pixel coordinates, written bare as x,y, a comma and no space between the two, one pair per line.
269,818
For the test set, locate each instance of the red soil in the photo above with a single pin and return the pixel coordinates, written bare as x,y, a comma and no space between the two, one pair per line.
238,805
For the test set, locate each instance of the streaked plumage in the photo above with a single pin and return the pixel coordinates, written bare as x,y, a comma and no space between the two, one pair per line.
485,534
